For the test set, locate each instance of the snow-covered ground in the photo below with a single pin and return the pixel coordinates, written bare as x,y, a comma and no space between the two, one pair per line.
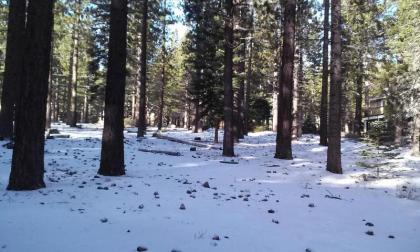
261,204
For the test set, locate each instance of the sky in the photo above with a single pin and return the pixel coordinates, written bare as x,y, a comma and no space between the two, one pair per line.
179,30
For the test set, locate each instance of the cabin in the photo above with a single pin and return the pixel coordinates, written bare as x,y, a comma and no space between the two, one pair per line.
375,111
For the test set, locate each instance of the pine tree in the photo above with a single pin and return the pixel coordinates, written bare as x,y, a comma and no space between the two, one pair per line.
228,137
143,72
323,126
112,153
13,67
284,131
27,171
334,124
74,65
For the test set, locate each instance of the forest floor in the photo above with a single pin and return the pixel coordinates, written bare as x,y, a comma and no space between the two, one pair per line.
256,203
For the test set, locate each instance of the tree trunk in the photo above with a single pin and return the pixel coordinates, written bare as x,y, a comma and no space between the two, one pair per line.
48,114
86,106
56,105
241,97
143,73
216,132
285,118
299,102
228,137
416,135
357,128
163,86
13,65
197,117
275,100
334,126
323,126
112,153
74,62
27,171
248,88
398,132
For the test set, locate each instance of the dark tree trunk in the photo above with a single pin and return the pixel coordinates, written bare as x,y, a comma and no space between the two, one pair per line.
285,118
112,154
143,73
13,65
163,86
228,137
216,132
197,117
241,97
27,171
298,94
357,128
323,126
74,62
334,126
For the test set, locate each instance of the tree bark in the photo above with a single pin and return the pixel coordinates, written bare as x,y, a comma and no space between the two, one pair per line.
334,126
27,171
143,72
323,126
13,65
112,153
285,118
228,137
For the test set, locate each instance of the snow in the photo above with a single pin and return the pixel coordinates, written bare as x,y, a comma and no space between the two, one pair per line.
379,186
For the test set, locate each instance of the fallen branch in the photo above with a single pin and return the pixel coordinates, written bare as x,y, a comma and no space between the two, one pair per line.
170,153
332,196
176,140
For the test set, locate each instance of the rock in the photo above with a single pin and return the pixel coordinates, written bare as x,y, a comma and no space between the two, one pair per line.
9,145
141,248
216,238
206,185
369,224
275,221
141,206
182,207
311,205
391,236
175,250
308,250
197,138
104,220
271,211
369,232
193,149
